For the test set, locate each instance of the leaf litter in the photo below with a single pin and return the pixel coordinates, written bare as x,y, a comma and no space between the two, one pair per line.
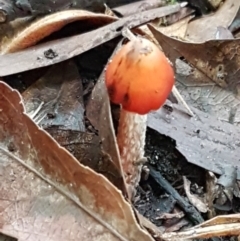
67,48
35,164
58,107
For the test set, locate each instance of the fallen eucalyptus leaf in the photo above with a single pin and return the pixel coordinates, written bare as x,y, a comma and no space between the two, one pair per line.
205,28
43,27
46,194
211,82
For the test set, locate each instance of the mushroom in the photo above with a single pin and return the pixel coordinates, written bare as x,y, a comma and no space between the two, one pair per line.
139,78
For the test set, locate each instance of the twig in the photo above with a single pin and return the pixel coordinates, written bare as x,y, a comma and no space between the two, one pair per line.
180,99
126,32
191,212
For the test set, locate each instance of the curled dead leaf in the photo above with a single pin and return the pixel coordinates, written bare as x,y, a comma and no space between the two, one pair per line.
226,225
46,193
205,28
211,83
44,26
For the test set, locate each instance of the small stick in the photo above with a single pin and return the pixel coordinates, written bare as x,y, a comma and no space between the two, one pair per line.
181,100
127,33
34,114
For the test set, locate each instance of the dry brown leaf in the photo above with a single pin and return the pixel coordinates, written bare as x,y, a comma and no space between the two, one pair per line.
177,29
46,194
205,28
194,200
216,66
59,50
56,98
226,225
199,91
138,6
203,140
87,148
211,58
55,102
99,114
43,27
211,181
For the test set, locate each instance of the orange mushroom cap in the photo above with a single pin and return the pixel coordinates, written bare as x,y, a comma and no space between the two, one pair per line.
139,77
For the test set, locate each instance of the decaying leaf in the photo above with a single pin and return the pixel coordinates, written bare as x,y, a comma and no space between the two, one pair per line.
139,6
177,29
87,148
212,70
199,91
47,194
59,50
56,104
205,28
209,62
196,201
57,98
203,140
225,189
211,58
49,24
225,225
211,181
99,113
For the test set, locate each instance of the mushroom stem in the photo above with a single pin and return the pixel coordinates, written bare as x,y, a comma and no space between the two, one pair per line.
131,141
139,78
